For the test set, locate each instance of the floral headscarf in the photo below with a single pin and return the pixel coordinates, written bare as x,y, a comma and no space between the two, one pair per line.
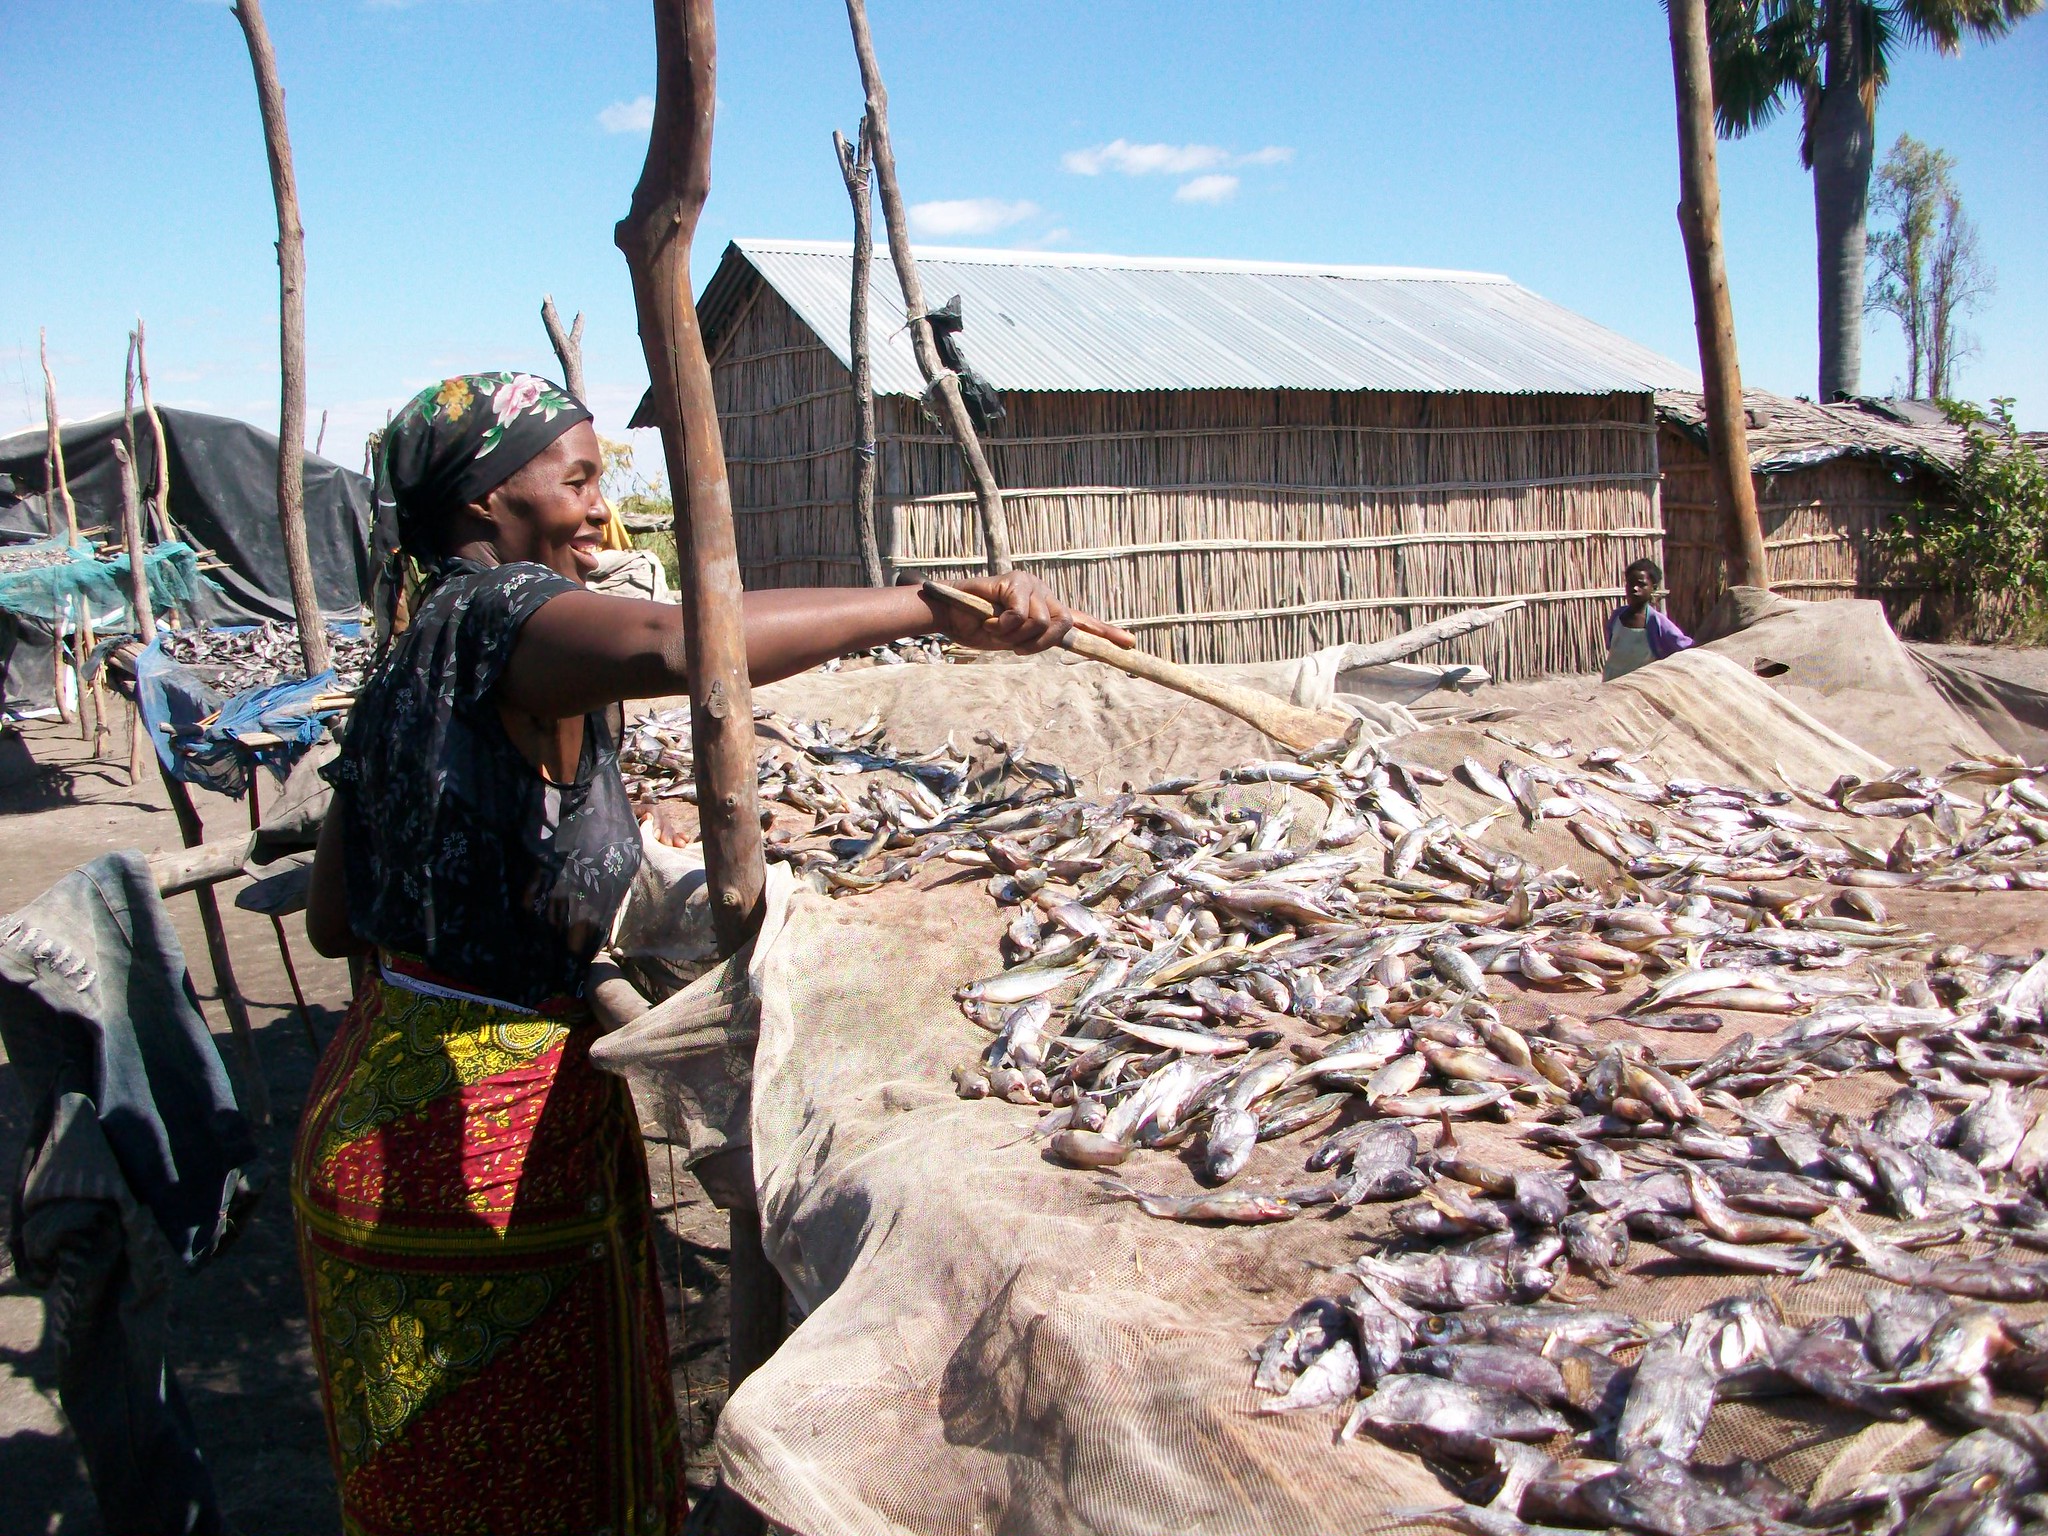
457,441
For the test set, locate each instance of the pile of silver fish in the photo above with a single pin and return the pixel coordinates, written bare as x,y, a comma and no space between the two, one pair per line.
926,649
233,661
1192,975
869,814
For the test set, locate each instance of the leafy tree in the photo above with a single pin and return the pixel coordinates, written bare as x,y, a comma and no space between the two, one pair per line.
1835,57
1929,272
1910,187
1958,280
1982,551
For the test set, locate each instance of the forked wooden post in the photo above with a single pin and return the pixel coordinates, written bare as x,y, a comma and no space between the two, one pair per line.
1699,221
160,491
568,345
291,274
136,544
856,166
57,488
655,239
944,383
139,745
193,832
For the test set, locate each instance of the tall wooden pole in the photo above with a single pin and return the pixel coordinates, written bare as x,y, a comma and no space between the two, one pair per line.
137,547
856,165
291,272
138,594
943,383
655,239
568,345
160,482
56,486
1699,221
58,489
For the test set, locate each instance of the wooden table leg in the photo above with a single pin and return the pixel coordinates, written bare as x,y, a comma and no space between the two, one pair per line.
284,946
253,1081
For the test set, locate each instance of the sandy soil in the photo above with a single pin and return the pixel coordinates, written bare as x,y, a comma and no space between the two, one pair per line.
240,1342
2019,664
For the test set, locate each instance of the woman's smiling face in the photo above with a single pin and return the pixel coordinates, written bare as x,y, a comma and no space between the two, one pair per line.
551,511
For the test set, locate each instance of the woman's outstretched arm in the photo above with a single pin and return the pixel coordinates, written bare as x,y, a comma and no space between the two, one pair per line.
585,650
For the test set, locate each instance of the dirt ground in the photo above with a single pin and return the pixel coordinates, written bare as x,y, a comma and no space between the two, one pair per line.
240,1341
2025,665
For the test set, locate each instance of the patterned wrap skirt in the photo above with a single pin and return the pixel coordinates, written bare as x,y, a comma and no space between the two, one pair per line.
475,1234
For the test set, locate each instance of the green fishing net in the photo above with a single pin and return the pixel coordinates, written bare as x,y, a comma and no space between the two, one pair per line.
55,582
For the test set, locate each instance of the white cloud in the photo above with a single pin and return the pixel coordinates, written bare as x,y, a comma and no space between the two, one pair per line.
1050,240
968,216
635,116
1207,189
1129,159
1143,159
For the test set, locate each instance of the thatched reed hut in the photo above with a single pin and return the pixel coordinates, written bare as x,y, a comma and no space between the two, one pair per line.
1241,461
1830,479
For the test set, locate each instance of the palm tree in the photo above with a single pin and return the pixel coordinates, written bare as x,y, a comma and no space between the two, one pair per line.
1835,56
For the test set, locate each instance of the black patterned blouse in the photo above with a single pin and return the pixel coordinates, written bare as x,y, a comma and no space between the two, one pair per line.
460,854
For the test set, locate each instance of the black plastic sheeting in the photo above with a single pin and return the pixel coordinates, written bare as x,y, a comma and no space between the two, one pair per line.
223,499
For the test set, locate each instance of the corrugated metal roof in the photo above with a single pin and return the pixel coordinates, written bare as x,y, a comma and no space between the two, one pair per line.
1040,320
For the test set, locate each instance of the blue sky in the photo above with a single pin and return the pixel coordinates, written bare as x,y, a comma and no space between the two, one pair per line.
458,158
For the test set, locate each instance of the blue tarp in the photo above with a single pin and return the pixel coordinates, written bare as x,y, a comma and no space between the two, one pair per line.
174,703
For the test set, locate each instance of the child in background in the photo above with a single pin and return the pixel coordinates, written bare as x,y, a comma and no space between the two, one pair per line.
1638,634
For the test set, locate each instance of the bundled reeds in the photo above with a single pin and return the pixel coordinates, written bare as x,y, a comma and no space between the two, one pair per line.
1220,525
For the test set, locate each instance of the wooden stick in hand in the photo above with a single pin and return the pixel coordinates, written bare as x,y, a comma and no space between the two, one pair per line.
1286,723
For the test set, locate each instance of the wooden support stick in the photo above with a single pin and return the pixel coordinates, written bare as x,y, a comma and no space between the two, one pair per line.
138,592
1288,724
943,383
82,640
1421,638
160,492
284,946
188,869
1699,221
56,487
291,274
568,345
655,239
856,166
253,1081
57,494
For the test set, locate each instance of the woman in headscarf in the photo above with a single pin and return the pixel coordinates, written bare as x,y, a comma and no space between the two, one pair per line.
470,1192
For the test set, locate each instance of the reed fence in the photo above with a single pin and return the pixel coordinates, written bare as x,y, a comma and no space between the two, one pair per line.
1219,525
1822,529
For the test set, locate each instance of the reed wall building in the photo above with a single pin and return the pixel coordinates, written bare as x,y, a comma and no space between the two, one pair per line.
1240,461
1830,481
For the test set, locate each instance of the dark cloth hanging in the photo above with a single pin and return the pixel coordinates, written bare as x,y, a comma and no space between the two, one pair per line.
984,405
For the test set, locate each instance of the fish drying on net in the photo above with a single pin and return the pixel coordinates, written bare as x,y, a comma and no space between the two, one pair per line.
32,557
233,661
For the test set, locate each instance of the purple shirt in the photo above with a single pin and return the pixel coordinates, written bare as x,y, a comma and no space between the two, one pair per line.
1665,637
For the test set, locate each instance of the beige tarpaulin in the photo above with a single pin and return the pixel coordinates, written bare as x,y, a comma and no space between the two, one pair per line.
989,1345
